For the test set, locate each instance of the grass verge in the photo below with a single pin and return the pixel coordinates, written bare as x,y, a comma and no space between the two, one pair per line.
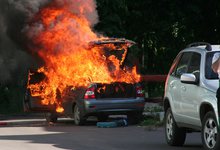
151,121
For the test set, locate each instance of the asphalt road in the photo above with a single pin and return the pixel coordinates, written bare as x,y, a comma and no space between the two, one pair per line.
65,135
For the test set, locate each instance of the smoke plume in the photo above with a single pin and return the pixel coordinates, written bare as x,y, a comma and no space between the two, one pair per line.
14,60
14,17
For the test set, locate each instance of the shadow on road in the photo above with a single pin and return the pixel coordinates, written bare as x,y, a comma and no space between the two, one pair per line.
66,135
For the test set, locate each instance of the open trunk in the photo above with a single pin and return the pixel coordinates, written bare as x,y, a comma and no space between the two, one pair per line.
115,90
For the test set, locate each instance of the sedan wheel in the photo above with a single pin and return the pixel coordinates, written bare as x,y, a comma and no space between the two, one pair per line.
78,119
76,115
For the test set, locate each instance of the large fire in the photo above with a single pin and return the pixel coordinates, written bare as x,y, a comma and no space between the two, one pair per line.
64,43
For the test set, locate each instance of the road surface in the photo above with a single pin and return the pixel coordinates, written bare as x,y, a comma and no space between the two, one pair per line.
65,135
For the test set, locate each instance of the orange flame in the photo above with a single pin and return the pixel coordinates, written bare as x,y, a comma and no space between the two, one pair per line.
70,60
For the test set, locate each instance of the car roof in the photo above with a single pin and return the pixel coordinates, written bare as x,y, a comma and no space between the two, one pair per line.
214,47
202,48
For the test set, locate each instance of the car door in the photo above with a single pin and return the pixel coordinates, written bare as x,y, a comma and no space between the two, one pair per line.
31,102
189,92
175,83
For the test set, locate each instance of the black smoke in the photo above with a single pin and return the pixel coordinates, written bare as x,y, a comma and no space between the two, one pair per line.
15,60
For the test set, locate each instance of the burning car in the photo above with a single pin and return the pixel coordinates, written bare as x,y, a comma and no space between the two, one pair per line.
81,97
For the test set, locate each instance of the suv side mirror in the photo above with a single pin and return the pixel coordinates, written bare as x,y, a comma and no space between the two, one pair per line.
189,78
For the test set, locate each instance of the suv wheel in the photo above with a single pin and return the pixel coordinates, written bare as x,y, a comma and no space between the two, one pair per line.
78,119
175,136
210,132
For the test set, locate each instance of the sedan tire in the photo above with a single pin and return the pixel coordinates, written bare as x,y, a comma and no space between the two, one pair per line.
78,118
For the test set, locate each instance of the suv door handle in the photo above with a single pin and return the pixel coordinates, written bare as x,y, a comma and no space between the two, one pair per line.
183,88
171,85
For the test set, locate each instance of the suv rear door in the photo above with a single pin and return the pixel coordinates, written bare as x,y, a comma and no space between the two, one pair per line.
190,97
185,97
175,84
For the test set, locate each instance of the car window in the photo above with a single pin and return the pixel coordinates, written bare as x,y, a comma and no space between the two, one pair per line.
194,65
182,66
209,74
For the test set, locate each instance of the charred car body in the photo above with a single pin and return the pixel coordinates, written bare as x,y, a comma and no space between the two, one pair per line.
98,99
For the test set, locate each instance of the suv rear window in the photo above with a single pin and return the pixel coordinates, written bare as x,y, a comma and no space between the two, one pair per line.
209,74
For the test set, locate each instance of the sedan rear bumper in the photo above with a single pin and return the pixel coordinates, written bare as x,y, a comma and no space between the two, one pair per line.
114,106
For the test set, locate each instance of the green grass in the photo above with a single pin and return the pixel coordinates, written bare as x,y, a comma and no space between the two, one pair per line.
152,109
151,121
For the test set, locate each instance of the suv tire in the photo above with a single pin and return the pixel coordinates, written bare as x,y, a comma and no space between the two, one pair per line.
175,136
210,132
78,118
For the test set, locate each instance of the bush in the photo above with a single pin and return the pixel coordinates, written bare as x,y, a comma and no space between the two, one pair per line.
11,99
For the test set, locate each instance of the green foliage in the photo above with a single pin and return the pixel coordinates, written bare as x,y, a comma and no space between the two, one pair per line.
11,99
151,121
161,28
153,109
154,89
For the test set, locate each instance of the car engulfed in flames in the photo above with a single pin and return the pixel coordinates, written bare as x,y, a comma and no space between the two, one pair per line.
107,69
78,68
120,94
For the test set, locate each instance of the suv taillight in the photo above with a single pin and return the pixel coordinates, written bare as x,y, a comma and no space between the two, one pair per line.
90,93
139,91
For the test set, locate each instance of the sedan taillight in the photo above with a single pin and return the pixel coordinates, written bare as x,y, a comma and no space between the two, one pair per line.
90,93
139,91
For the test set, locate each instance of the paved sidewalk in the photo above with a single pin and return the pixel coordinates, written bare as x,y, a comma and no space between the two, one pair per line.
21,119
21,122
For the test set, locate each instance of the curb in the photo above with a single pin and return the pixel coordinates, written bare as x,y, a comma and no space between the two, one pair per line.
3,124
21,119
20,122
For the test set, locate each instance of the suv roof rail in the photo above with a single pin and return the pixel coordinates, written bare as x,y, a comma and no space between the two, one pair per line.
208,46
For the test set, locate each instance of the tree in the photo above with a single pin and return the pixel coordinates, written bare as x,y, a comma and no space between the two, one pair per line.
161,28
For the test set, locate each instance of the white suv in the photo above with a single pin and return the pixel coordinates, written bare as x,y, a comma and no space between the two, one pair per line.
190,101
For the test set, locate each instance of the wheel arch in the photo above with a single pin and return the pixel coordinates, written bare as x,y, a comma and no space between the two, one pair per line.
73,105
166,104
205,108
